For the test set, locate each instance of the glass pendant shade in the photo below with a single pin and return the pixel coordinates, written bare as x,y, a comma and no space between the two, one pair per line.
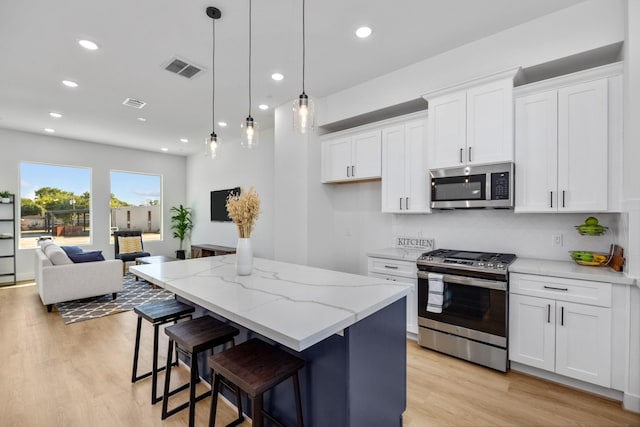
249,133
303,114
212,146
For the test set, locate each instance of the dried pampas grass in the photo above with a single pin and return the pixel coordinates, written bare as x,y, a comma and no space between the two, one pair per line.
244,210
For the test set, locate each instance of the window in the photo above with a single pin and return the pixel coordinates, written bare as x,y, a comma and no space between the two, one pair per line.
54,201
136,203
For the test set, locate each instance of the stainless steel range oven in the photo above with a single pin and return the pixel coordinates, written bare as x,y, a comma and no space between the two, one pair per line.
463,305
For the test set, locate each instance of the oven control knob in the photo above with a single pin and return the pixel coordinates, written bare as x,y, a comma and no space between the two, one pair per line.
500,266
490,265
481,264
429,258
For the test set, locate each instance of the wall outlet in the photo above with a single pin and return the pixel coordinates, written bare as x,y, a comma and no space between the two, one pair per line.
556,240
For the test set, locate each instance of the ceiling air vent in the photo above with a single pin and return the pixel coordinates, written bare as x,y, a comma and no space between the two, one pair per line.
182,67
135,103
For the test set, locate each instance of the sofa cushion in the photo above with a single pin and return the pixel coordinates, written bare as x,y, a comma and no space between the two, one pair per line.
45,243
89,256
72,250
56,255
129,245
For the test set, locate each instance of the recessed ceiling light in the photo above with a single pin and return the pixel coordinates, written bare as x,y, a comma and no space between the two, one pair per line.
142,119
222,124
363,32
184,140
49,130
263,106
277,76
55,115
69,83
164,149
88,44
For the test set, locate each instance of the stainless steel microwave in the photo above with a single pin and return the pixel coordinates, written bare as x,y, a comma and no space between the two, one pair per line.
467,187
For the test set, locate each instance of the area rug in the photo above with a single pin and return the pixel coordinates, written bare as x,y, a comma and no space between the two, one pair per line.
134,293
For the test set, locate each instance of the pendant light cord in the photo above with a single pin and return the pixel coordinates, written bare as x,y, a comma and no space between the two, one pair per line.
249,58
303,45
213,80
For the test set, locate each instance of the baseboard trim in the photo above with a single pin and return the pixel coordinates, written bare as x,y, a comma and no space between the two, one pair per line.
631,402
569,382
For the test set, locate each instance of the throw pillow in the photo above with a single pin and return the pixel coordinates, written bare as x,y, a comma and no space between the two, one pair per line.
72,249
129,245
57,256
45,243
89,256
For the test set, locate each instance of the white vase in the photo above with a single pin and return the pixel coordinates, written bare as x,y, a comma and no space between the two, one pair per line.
244,257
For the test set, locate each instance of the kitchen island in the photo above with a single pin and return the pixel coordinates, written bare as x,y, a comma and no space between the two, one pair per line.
350,330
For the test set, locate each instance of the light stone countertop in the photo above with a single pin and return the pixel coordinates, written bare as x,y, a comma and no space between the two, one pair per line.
294,305
400,254
569,270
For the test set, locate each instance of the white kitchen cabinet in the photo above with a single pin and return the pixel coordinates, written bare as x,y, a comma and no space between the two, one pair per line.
404,168
563,146
402,272
471,126
549,330
352,157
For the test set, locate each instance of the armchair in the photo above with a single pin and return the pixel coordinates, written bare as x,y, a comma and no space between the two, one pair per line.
128,246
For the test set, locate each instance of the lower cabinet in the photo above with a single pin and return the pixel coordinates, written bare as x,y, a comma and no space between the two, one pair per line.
550,329
402,272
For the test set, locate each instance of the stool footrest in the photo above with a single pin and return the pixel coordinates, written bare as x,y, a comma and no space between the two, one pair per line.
185,404
148,374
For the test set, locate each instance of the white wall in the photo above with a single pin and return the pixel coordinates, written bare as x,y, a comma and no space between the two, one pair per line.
21,146
588,25
234,166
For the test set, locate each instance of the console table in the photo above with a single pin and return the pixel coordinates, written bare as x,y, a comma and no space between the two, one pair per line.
199,251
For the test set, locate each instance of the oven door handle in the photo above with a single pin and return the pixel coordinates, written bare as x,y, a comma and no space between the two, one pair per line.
468,281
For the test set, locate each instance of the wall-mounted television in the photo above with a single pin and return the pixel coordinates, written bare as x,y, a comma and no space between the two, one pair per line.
219,204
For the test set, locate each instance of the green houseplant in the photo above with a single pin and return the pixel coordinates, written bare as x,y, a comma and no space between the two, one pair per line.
181,224
5,197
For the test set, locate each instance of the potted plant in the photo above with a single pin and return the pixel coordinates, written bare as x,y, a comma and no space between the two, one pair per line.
181,224
5,197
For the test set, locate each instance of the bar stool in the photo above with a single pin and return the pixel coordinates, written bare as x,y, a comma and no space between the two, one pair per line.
255,367
191,338
157,313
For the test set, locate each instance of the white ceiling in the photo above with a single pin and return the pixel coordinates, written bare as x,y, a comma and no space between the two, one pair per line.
137,37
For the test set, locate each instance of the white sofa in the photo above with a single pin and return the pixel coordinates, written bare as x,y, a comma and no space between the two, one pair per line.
61,279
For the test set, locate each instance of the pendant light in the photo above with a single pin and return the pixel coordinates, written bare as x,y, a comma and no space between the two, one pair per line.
303,114
249,128
212,143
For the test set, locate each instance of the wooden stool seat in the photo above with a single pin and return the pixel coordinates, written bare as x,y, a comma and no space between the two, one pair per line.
157,313
191,338
255,367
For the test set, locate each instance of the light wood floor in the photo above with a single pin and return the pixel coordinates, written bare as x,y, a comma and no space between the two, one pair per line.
80,375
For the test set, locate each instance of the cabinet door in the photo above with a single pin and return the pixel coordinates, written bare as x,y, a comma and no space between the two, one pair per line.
366,155
393,169
447,124
416,177
336,160
583,147
583,342
532,331
536,152
490,123
412,299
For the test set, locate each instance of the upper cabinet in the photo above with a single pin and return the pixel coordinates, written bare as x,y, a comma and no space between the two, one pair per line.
567,143
472,123
404,168
352,157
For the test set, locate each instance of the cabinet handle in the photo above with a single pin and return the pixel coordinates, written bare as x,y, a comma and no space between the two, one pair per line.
406,203
400,203
551,199
353,171
561,316
548,313
469,153
461,155
347,171
557,289
393,267
563,198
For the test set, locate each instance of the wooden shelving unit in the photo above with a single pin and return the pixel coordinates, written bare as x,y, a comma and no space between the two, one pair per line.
8,241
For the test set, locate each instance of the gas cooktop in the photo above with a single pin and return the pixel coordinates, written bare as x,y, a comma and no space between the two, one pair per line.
471,260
